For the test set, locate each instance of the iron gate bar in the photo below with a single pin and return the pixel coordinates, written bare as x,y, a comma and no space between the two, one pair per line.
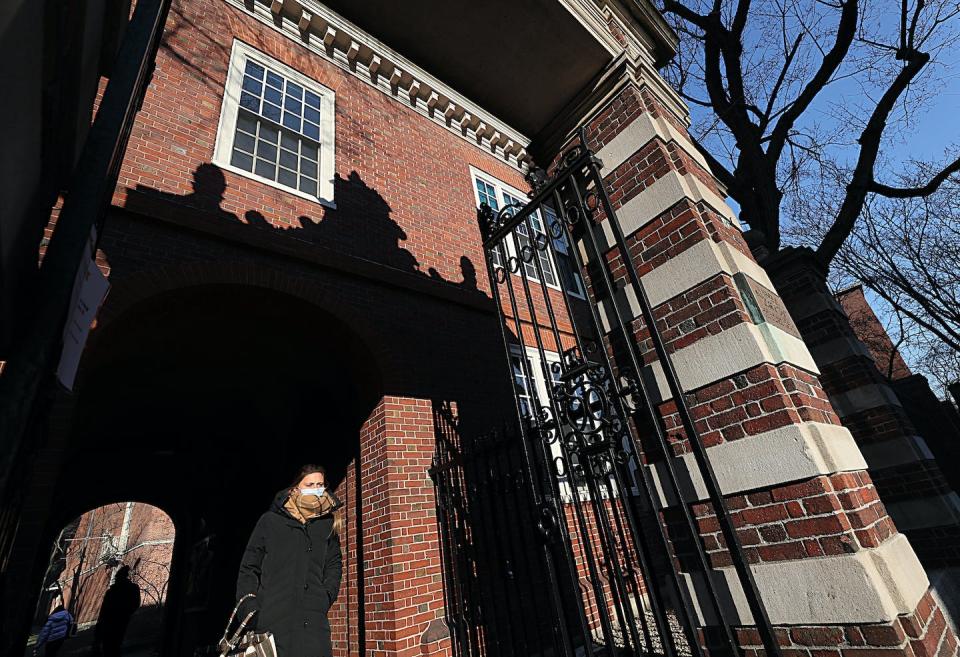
757,608
581,520
661,620
643,550
536,495
606,537
554,485
540,195
637,364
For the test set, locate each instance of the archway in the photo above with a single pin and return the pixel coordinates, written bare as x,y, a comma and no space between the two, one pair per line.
203,401
95,552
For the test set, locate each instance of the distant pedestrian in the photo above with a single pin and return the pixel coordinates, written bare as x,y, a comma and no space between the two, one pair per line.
119,603
54,632
292,565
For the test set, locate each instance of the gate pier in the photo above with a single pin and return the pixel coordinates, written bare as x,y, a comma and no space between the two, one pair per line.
685,464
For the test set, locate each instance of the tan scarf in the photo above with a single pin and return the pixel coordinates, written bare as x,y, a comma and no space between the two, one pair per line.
305,507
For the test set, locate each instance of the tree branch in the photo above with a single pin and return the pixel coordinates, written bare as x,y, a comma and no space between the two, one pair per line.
923,190
846,31
862,178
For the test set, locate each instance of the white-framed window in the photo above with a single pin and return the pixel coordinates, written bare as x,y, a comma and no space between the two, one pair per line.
559,267
276,126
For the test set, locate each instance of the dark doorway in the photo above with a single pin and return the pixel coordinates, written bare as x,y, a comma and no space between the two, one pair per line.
204,402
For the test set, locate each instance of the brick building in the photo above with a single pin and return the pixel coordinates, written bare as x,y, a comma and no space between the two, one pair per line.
297,275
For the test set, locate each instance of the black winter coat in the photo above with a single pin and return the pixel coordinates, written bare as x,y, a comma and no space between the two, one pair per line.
294,570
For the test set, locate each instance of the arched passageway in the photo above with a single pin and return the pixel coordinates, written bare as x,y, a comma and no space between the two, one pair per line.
203,402
105,553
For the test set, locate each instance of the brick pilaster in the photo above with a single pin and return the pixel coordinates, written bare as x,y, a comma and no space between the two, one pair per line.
834,573
391,539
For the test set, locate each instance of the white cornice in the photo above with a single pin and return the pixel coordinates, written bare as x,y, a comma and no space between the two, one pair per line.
358,53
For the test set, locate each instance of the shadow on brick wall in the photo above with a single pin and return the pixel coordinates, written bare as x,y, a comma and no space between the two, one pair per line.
361,225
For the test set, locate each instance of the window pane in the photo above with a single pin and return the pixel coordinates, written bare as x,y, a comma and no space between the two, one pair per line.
293,106
311,114
267,151
273,95
266,169
311,130
308,168
242,161
288,141
309,151
312,99
269,133
251,85
272,112
287,177
249,101
291,121
246,123
288,159
255,70
294,90
308,185
274,80
243,142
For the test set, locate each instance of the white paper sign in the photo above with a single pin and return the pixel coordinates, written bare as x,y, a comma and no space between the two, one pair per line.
89,290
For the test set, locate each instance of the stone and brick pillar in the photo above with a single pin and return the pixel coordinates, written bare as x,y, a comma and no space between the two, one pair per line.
908,477
833,571
391,602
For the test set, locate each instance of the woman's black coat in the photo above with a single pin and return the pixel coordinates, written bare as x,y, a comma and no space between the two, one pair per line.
294,570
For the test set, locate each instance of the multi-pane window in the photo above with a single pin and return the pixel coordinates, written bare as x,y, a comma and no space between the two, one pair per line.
566,265
276,125
523,238
558,268
486,193
521,382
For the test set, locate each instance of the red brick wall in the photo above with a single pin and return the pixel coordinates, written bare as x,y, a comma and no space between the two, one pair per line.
148,552
867,327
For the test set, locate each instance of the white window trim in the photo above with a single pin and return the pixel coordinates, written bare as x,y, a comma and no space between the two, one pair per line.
229,109
501,186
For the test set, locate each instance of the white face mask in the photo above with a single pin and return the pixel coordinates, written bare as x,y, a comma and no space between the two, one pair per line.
313,491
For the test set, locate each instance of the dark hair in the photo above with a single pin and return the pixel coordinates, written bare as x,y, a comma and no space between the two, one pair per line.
309,468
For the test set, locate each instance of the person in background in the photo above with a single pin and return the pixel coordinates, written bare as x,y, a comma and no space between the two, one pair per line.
119,603
54,632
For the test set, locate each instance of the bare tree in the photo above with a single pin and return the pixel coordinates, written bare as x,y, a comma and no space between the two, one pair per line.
806,96
907,251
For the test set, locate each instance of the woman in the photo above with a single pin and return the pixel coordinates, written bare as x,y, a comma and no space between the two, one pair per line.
292,565
54,632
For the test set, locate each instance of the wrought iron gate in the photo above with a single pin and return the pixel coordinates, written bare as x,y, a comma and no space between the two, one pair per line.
555,537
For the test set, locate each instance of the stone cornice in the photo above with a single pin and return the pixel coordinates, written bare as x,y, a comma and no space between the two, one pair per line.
621,72
649,36
358,53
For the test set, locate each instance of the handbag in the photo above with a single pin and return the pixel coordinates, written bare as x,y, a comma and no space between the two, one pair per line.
243,642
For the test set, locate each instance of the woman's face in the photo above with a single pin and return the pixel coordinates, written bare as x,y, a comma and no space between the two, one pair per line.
312,480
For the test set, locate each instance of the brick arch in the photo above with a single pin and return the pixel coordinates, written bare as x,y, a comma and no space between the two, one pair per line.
127,293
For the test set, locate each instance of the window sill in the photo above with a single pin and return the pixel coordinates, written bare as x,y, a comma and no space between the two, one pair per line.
226,166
